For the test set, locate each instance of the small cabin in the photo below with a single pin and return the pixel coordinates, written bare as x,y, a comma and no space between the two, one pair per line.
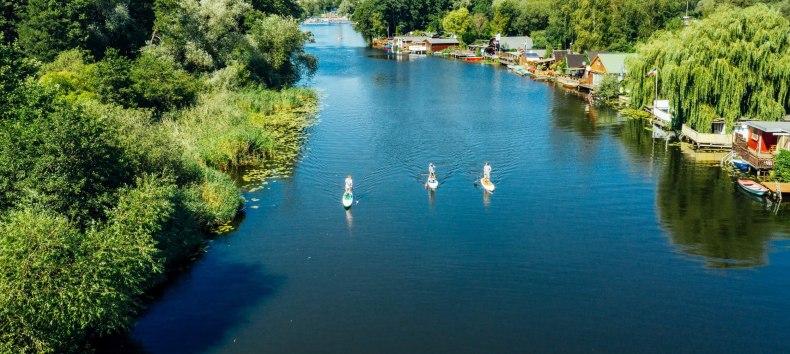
407,42
606,64
759,141
574,64
440,44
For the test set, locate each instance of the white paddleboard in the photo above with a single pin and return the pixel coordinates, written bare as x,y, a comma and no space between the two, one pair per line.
487,185
348,199
432,183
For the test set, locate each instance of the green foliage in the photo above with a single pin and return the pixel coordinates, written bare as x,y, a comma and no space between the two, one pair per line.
229,129
520,17
71,281
609,87
47,27
161,84
208,36
13,70
55,155
108,168
391,17
274,52
733,64
457,22
782,165
214,199
43,18
10,10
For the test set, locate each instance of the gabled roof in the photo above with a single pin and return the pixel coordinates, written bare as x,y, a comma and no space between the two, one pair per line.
614,62
770,127
412,38
591,54
515,42
559,54
574,60
442,40
531,55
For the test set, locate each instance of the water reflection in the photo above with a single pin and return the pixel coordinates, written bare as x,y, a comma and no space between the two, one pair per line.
486,198
706,217
349,219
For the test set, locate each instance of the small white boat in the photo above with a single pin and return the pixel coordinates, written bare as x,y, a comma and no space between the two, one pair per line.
432,183
487,185
348,199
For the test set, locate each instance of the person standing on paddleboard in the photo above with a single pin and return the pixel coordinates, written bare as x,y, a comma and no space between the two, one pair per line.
487,171
431,171
349,184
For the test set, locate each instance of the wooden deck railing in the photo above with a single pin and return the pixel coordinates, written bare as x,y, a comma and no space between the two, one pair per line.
760,161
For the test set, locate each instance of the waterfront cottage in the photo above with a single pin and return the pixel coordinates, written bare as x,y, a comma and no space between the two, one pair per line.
411,43
574,64
440,44
759,142
606,64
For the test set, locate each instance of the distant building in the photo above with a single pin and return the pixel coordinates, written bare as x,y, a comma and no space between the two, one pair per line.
575,64
515,43
606,64
761,143
440,44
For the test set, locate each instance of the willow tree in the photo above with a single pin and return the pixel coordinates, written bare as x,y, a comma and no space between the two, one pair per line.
733,64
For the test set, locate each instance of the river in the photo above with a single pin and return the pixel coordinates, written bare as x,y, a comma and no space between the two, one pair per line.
598,238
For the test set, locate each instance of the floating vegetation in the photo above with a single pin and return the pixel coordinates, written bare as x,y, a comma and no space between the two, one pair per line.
221,229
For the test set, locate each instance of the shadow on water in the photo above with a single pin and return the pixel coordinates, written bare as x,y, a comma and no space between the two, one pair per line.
183,322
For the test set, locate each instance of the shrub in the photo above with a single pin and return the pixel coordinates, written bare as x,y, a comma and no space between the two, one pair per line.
56,155
160,84
215,200
782,165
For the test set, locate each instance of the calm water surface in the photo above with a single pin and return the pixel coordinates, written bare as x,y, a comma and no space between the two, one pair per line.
598,238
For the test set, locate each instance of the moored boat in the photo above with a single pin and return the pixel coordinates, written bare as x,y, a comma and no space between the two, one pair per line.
474,59
741,165
752,187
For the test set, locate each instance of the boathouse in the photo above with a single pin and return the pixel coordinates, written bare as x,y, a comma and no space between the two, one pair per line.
760,141
410,43
606,64
440,44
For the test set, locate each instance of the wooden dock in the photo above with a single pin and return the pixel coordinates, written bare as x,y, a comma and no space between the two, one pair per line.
707,141
778,189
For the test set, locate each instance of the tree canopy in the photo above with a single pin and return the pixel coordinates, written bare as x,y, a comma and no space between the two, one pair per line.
733,64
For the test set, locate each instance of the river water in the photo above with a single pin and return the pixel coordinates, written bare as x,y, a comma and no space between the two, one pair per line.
598,238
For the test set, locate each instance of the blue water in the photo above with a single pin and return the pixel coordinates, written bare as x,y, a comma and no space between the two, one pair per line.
598,237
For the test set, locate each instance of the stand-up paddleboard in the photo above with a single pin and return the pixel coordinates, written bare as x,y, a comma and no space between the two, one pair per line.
348,198
487,185
432,183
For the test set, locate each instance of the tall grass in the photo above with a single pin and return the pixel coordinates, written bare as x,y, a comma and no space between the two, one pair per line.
231,129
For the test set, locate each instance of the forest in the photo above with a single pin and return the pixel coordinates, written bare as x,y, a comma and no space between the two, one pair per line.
121,120
611,25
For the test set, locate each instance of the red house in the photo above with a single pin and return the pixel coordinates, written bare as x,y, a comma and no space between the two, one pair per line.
440,44
758,145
